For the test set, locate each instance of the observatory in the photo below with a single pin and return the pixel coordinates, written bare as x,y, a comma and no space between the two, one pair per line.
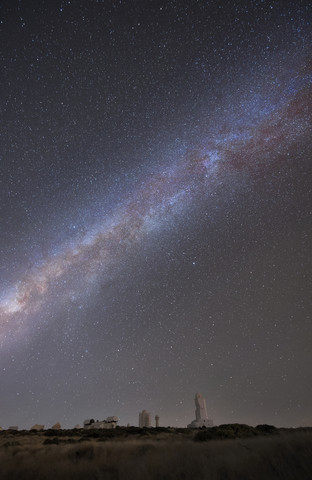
109,422
144,419
201,416
156,421
37,427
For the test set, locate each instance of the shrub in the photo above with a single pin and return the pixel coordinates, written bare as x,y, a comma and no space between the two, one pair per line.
225,431
14,443
266,429
51,441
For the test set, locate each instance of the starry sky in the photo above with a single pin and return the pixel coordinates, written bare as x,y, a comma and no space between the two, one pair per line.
155,211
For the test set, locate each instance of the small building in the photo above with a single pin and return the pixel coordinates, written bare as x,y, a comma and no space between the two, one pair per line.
14,428
37,428
109,422
57,426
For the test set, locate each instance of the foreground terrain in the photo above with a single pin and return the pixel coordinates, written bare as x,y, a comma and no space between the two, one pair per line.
225,452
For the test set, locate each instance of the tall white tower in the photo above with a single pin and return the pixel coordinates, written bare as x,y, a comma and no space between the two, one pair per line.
201,409
157,421
201,415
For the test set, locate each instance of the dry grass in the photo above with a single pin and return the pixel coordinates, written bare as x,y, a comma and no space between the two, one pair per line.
284,456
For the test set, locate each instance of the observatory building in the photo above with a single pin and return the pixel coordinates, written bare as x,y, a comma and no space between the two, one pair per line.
37,428
201,415
144,419
109,422
157,421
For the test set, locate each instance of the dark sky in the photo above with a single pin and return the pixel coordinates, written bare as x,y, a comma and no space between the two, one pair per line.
155,211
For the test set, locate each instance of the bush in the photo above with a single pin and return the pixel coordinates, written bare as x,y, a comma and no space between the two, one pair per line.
266,429
51,441
226,431
11,444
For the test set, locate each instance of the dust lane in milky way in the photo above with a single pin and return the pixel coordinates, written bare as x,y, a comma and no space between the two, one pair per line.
252,150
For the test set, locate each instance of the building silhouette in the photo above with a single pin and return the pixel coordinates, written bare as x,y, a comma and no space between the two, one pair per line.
109,422
201,416
37,427
144,419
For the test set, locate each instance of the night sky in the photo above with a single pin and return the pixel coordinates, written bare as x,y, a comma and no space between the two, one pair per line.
156,211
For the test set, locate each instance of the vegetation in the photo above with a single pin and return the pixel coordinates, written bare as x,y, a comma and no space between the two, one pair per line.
229,452
234,430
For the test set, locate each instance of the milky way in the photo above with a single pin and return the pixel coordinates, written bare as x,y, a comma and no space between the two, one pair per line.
252,150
